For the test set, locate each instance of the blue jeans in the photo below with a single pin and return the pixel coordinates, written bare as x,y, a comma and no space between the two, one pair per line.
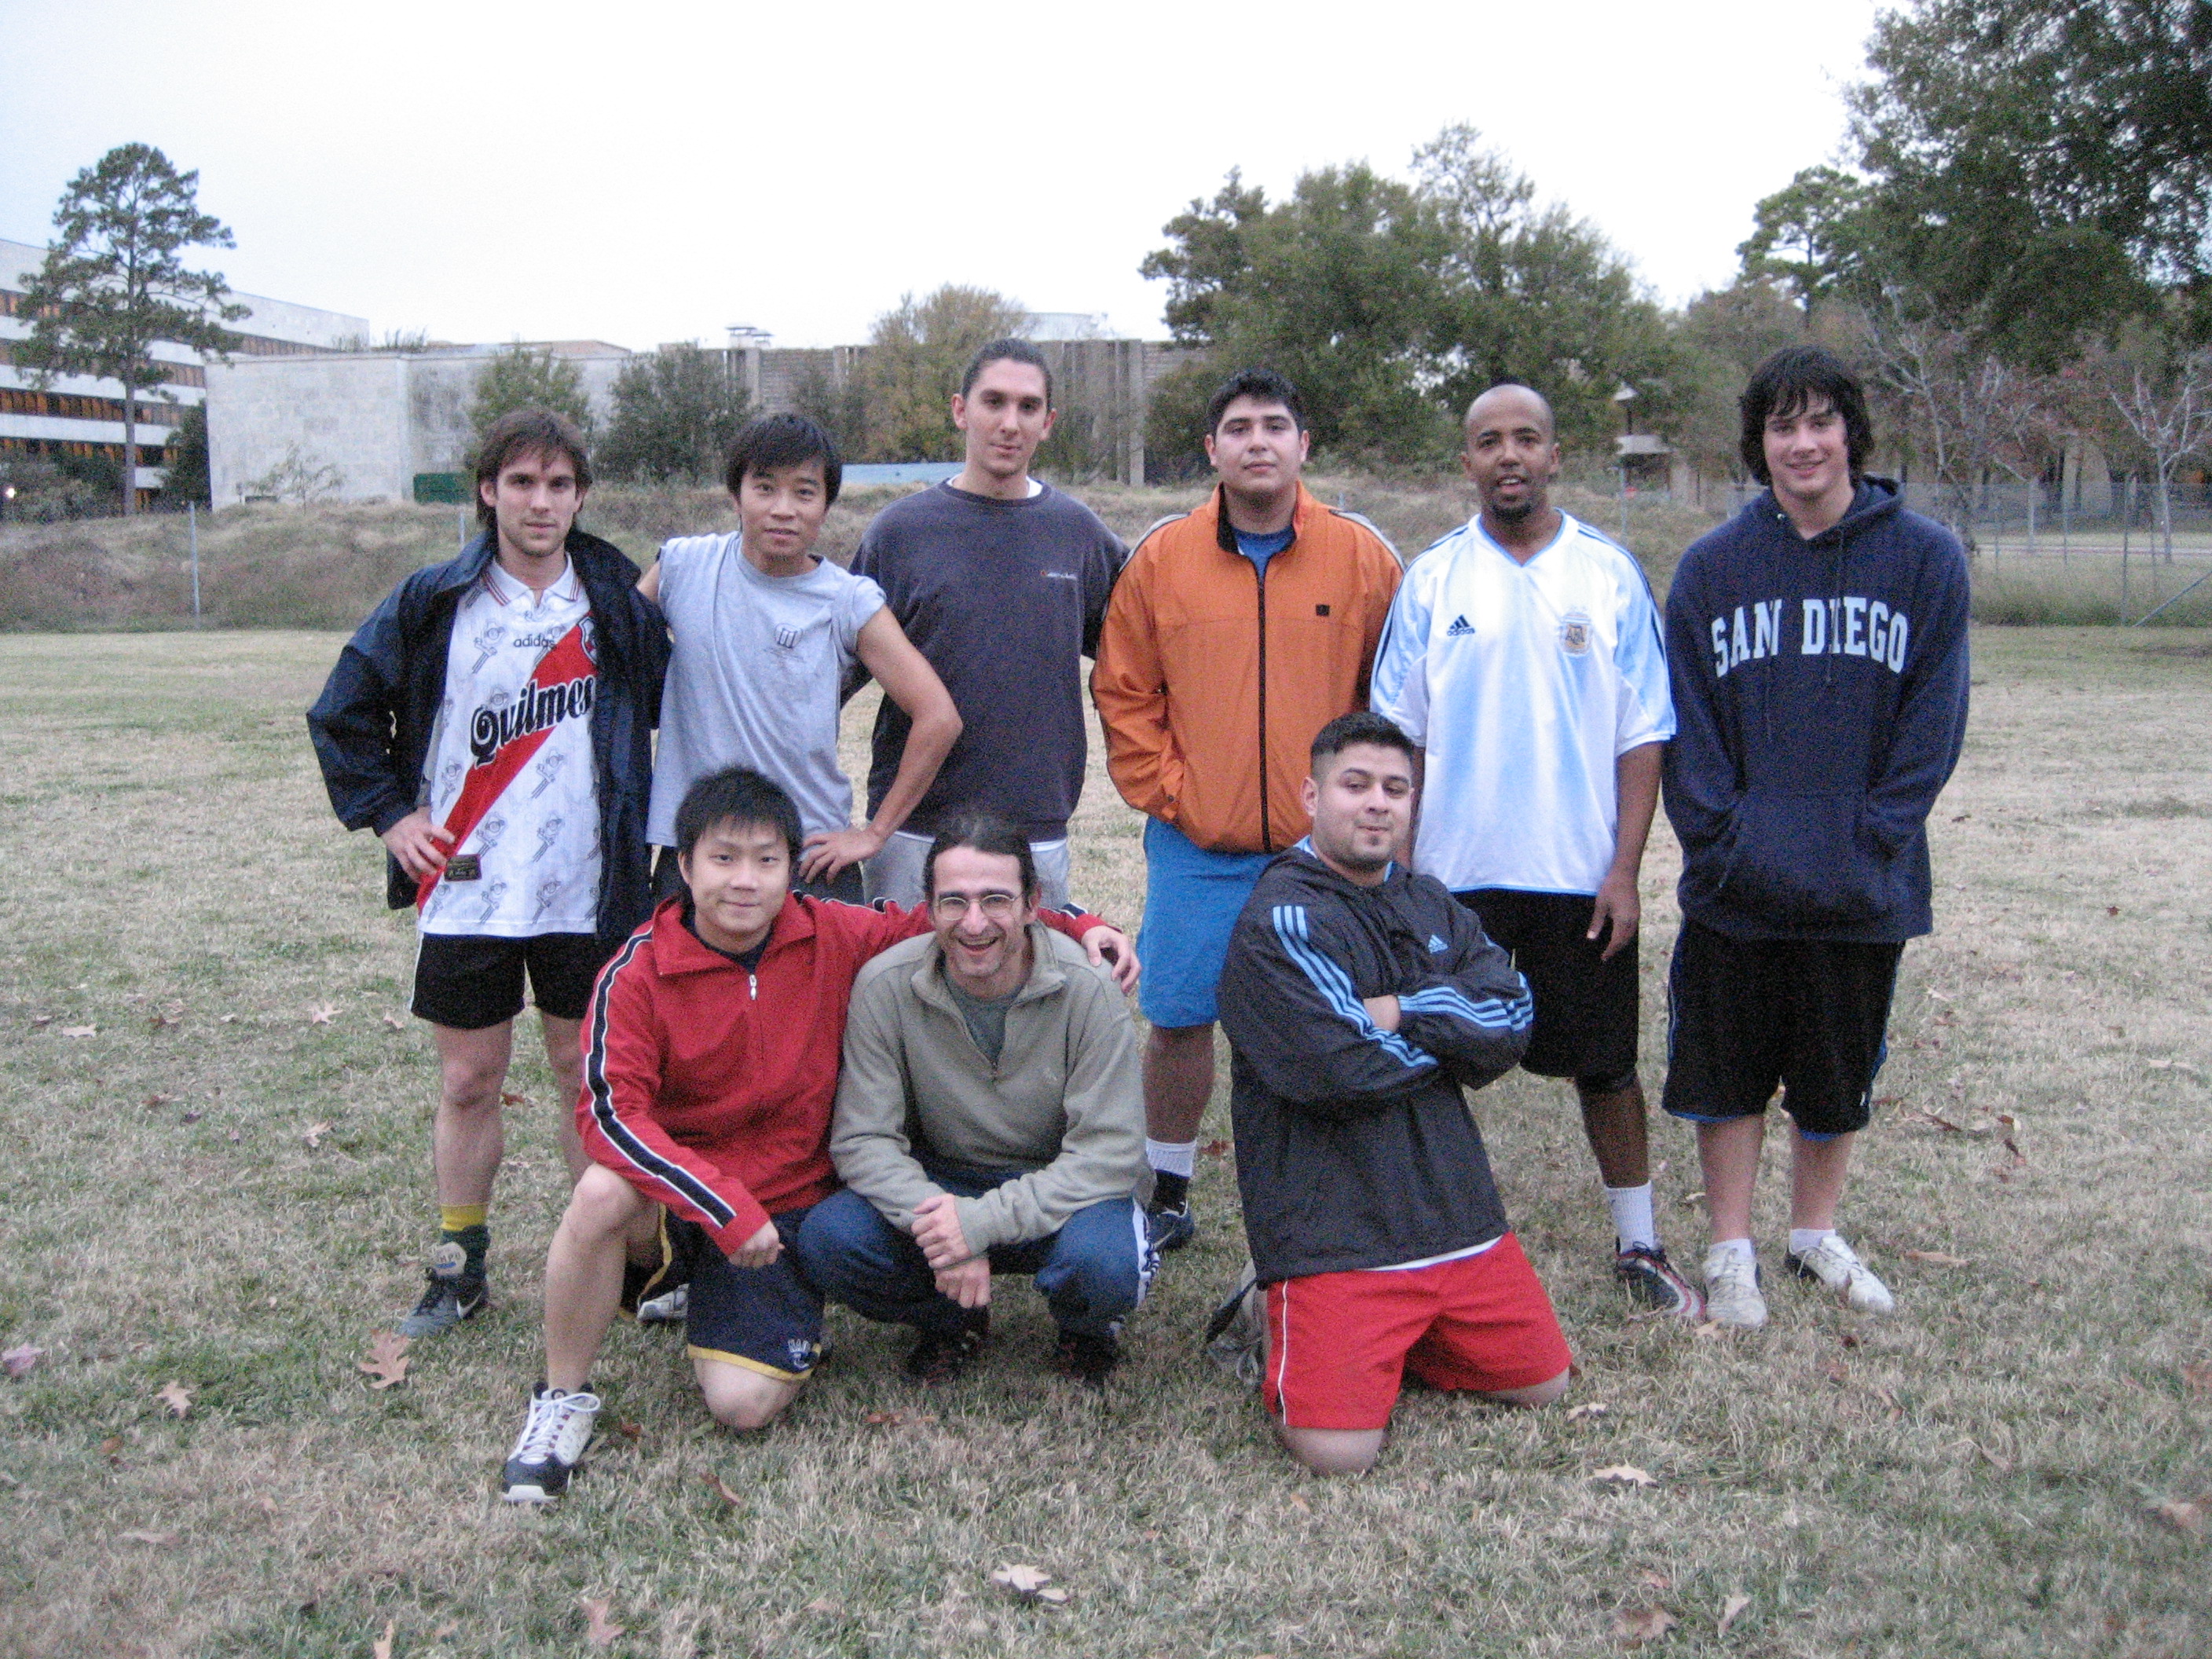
1091,1272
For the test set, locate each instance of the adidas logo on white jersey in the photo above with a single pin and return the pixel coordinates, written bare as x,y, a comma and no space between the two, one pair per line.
1459,625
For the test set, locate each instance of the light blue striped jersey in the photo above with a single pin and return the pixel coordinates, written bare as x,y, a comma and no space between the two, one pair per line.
1524,683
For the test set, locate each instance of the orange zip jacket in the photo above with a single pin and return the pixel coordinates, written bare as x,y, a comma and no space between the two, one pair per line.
1211,681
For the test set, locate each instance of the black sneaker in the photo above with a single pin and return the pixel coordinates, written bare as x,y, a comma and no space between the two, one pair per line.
1645,1272
1170,1227
1089,1356
551,1446
453,1295
940,1356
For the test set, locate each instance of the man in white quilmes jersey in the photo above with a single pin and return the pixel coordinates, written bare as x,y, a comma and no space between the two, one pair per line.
492,722
1523,655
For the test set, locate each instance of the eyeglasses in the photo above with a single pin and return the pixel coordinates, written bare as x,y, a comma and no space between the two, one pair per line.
997,907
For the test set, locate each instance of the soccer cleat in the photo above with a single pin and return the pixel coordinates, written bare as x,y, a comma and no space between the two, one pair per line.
1645,1272
1732,1295
452,1295
669,1308
1089,1356
1170,1227
551,1446
940,1356
1833,1263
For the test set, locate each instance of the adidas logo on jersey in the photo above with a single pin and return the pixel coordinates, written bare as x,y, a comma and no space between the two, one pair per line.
1436,946
1459,625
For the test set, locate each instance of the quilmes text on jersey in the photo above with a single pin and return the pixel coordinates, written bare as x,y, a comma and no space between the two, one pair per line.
1848,625
537,707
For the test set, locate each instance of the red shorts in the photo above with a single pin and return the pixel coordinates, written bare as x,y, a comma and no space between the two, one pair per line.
1339,1344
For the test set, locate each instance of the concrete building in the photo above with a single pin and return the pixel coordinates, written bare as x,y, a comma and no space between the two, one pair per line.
362,426
82,414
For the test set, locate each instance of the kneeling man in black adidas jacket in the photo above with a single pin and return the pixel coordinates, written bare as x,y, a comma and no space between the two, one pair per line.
1359,1000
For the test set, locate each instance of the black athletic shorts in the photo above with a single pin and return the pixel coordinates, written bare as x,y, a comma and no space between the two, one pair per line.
668,880
1585,1025
1746,1016
473,982
766,1319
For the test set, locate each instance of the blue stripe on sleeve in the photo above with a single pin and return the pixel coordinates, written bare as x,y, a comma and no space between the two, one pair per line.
1336,989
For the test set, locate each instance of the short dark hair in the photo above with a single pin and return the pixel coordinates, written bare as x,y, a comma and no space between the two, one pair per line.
1789,380
1007,352
524,432
983,831
1263,385
1361,726
771,442
736,794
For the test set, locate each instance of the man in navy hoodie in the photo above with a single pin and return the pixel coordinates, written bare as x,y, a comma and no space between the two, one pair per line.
1817,649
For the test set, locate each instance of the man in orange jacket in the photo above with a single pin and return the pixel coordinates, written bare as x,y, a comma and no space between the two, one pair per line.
1236,633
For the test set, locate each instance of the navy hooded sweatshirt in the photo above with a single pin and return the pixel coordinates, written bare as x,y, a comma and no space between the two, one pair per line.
1820,694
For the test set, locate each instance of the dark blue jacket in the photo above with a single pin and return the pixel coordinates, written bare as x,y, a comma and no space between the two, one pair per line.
371,724
1820,700
1354,1146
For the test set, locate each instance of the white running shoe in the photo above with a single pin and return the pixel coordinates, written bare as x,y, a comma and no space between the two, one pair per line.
1833,1263
669,1308
1732,1295
551,1446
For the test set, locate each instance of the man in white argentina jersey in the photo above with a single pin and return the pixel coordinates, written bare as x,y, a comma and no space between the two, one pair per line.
492,722
766,631
1523,655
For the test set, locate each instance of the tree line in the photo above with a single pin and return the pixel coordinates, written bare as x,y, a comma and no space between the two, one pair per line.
2015,244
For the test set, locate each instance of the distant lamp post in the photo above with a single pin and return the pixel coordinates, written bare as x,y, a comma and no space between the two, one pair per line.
1624,395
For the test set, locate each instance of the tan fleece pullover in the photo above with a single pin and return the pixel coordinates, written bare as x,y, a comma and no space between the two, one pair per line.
1065,1104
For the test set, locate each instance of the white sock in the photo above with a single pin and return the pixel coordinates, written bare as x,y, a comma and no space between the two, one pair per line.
1633,1221
1739,1247
1803,1239
1178,1157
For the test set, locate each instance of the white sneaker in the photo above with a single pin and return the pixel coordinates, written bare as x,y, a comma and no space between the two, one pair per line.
1732,1295
669,1308
1833,1263
551,1446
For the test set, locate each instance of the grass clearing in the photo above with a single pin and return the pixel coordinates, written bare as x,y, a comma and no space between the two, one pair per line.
216,1188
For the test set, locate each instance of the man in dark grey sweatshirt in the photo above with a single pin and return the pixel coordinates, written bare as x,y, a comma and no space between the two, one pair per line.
1001,582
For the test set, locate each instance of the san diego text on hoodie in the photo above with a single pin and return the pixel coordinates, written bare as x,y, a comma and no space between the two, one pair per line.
1819,692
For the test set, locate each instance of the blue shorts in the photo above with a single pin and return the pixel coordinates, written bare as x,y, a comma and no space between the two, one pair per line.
765,1319
1192,900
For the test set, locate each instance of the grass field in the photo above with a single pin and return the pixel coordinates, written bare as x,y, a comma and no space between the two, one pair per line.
217,1176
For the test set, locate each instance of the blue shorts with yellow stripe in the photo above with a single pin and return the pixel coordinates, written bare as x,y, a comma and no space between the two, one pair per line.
765,1319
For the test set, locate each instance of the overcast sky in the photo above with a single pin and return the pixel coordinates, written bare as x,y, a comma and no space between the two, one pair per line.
657,172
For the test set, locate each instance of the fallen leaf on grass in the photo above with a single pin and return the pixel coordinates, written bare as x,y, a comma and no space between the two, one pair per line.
508,1097
600,1630
313,1133
1030,1583
156,1539
629,1431
721,1487
387,1360
1634,1626
1731,1610
20,1361
1652,1579
1937,1259
1711,1327
2112,909
112,1449
1691,1200
2199,1378
230,1019
2002,1465
322,1013
1298,1501
899,1420
153,1101
826,1607
80,1031
1214,1148
162,1022
176,1396
1594,1409
2182,1517
1625,1475
395,1022
381,1648
188,1117
40,1021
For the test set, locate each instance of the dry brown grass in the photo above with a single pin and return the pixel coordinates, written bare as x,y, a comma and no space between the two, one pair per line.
1976,1474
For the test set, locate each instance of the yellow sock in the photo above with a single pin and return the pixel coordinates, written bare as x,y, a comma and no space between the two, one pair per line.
453,1217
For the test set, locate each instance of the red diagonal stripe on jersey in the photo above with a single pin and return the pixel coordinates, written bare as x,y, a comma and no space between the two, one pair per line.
485,784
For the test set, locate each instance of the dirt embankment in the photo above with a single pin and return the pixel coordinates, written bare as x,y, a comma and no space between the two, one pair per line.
325,565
